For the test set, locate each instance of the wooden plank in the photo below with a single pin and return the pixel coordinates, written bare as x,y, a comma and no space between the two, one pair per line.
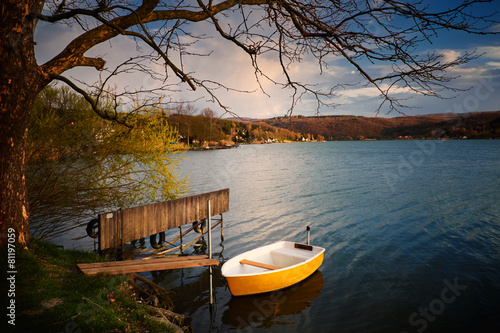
169,215
140,262
163,223
145,265
259,264
150,267
108,230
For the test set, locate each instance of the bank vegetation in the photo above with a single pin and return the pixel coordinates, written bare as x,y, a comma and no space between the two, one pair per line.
52,295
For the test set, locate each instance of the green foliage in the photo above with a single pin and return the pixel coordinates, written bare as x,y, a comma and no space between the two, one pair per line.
79,165
227,126
197,129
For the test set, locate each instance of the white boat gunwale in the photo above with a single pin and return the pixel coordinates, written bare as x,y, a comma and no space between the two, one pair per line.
235,261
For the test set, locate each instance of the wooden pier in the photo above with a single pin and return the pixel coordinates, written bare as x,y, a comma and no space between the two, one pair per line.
136,266
117,228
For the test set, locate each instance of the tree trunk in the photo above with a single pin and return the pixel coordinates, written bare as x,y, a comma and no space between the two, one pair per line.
20,81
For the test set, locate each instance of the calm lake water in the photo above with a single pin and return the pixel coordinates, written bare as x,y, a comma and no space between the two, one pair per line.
411,231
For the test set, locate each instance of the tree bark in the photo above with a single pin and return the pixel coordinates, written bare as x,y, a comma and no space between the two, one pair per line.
20,81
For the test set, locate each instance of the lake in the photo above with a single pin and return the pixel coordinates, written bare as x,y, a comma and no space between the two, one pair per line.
411,231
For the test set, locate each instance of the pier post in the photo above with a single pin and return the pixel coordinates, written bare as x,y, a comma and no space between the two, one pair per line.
221,228
209,222
180,236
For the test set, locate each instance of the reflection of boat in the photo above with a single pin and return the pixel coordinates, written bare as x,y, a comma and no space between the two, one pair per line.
263,309
271,267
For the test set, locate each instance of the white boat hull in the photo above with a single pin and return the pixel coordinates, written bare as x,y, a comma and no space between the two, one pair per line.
287,263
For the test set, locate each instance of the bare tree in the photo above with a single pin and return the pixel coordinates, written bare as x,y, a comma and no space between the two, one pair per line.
363,32
208,113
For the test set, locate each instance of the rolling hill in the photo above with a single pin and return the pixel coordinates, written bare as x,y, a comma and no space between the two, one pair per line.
476,125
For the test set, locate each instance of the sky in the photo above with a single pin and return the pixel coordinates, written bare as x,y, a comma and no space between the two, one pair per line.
230,66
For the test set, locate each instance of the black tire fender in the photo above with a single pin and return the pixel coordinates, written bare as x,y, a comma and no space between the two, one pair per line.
93,228
200,227
154,243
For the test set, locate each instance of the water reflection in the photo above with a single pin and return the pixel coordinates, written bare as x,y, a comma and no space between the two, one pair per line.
267,310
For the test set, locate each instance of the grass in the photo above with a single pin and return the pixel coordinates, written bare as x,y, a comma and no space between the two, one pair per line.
52,295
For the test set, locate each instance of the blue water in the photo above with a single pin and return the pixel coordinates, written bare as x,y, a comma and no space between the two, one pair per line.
411,231
411,228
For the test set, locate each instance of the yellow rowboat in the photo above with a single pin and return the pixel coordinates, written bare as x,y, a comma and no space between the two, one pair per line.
271,267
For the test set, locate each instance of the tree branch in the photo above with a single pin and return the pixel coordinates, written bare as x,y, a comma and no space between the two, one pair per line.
72,55
362,32
94,104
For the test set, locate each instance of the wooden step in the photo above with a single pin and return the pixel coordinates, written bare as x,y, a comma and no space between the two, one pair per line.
136,266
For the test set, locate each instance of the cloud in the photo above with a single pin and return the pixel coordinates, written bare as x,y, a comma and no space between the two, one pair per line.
490,52
374,92
495,28
495,64
449,55
51,39
361,92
